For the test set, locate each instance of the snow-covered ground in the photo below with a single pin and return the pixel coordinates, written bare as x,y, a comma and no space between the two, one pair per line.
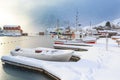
95,64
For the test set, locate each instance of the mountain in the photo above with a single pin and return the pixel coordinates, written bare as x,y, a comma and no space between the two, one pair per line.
101,24
97,25
114,23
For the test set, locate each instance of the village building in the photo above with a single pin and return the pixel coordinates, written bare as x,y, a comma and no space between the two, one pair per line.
12,30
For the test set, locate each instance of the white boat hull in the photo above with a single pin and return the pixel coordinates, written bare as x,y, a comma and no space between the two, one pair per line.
86,40
71,47
50,55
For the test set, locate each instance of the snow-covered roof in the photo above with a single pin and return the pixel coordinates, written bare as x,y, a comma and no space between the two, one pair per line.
11,25
109,31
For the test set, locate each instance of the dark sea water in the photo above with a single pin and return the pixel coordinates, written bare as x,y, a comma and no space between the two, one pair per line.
9,72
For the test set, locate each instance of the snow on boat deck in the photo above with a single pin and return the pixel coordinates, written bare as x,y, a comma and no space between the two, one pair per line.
73,47
95,64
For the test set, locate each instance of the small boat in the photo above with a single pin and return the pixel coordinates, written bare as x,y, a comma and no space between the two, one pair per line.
44,54
71,47
89,40
80,42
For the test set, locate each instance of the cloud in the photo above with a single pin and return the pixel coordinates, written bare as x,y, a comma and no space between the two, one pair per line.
33,13
95,10
38,14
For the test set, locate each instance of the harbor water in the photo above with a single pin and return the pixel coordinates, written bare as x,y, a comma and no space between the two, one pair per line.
9,72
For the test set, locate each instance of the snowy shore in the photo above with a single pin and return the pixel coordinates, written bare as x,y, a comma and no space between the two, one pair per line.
96,64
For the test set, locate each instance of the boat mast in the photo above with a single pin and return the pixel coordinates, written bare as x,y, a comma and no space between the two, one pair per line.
57,26
91,28
76,20
90,25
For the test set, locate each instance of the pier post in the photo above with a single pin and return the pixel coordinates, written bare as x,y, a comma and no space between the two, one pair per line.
106,41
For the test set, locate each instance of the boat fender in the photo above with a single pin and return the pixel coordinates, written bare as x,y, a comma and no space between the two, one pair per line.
38,51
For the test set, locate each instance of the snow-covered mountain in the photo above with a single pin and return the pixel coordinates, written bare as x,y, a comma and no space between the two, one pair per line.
115,23
101,24
97,25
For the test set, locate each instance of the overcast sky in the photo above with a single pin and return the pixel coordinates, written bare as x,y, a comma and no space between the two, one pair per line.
37,14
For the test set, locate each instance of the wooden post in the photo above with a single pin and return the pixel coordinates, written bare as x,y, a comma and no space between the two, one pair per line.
106,41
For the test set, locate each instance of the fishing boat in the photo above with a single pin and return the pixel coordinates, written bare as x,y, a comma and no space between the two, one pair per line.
81,42
43,54
78,44
71,47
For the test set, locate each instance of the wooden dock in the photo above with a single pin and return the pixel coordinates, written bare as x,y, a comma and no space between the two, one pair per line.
31,67
5,61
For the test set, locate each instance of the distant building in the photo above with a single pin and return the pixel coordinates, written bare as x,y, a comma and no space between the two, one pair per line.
24,34
12,30
41,33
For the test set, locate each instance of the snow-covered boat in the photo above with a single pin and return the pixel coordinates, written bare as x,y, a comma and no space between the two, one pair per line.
81,42
59,41
78,44
90,40
44,54
71,47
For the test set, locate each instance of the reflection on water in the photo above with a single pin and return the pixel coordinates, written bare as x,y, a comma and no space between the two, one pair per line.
7,44
17,72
